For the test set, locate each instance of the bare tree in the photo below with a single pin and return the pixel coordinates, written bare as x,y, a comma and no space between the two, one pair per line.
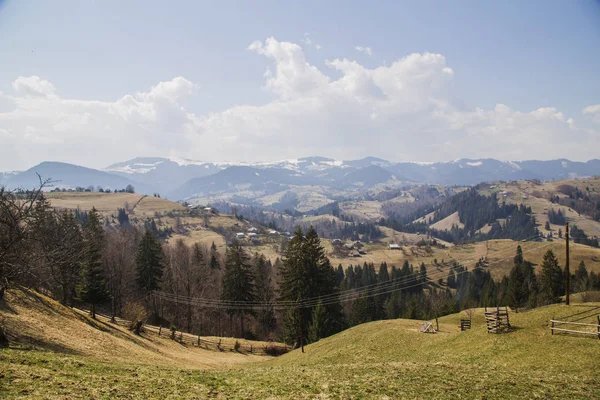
438,301
119,262
19,217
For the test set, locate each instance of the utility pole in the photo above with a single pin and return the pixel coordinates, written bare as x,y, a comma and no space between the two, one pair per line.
567,271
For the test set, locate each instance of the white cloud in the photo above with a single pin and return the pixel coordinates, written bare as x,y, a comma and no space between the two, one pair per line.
404,111
306,39
318,46
594,111
363,49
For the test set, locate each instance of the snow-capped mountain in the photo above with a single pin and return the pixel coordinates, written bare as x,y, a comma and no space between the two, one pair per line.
179,178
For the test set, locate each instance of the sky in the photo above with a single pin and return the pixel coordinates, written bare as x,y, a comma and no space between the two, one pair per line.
97,82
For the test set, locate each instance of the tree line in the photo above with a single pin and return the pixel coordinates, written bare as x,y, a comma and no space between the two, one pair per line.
118,272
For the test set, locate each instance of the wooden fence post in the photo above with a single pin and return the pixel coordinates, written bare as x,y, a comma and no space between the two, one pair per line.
159,329
598,316
552,329
198,340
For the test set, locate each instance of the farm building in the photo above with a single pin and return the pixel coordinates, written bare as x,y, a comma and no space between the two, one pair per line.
394,246
240,235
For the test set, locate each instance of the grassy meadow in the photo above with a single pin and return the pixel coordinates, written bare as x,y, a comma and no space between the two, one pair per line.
70,356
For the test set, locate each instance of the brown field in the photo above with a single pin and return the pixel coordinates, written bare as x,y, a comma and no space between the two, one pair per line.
38,321
108,203
362,210
446,223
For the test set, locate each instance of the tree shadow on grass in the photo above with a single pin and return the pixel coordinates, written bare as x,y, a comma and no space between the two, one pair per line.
29,343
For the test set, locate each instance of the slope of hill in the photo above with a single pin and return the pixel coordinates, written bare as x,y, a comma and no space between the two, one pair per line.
34,321
75,357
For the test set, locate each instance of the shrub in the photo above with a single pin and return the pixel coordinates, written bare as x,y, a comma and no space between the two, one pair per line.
137,314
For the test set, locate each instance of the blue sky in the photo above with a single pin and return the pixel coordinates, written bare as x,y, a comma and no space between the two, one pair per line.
522,55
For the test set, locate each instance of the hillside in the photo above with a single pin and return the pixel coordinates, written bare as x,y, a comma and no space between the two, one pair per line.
202,227
34,321
69,355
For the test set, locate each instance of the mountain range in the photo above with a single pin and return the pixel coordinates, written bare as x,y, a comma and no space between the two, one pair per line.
179,179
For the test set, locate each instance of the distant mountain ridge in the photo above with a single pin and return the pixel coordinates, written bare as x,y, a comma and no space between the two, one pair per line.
179,178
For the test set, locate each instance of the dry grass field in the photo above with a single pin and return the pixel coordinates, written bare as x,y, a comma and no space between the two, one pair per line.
67,355
108,203
447,223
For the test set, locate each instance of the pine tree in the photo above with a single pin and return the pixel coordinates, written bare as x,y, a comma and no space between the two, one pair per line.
318,325
238,282
550,282
582,278
521,281
213,263
306,273
149,266
149,263
93,287
264,293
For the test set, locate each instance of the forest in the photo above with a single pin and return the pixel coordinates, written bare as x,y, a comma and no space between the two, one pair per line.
132,272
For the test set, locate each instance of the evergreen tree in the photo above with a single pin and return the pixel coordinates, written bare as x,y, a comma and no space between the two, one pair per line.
550,282
521,282
93,287
582,278
306,273
149,263
318,324
238,282
264,293
213,263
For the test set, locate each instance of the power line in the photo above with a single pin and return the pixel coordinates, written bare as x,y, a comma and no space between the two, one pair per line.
379,286
349,295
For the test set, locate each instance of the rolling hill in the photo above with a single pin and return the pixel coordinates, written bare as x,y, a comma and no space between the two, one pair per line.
69,355
207,227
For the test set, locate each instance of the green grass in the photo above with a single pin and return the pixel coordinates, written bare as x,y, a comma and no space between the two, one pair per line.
384,359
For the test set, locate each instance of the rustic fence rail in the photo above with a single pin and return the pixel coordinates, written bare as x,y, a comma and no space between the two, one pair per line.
571,324
497,320
465,324
225,344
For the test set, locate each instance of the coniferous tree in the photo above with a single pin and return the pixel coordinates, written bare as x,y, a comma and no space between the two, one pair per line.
93,287
264,293
318,324
213,263
238,282
521,282
582,278
149,266
306,273
149,263
550,282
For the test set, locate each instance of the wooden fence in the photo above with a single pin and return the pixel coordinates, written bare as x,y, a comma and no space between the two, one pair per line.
497,320
218,344
465,324
586,322
221,344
